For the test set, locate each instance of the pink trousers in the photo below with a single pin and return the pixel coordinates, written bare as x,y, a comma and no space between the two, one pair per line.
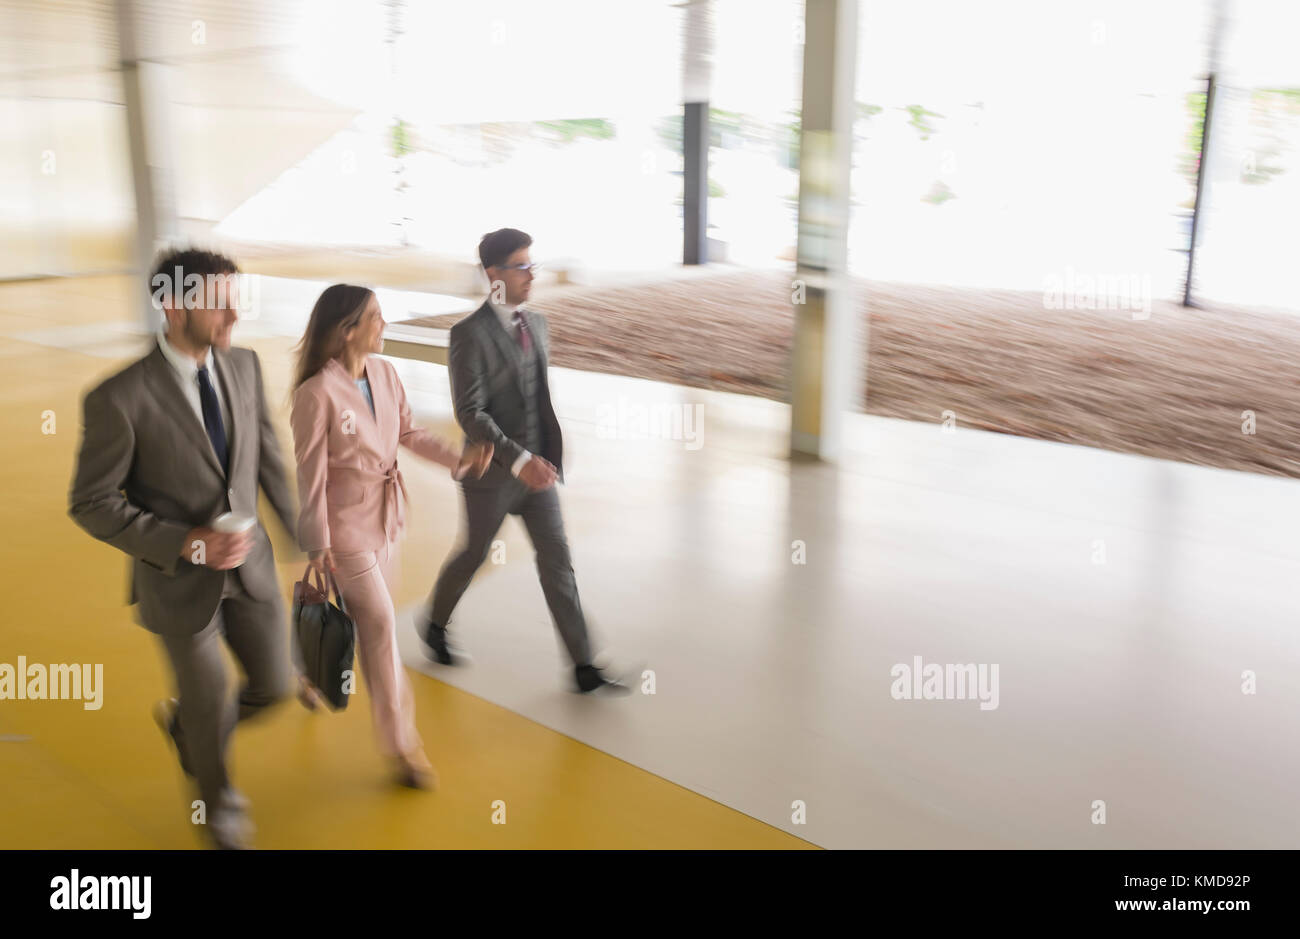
365,579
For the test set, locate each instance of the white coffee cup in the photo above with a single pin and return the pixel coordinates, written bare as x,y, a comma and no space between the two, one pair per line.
232,523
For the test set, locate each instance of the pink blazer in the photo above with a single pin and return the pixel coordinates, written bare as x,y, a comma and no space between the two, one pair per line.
350,490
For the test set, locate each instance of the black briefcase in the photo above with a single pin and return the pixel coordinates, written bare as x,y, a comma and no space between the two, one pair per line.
326,637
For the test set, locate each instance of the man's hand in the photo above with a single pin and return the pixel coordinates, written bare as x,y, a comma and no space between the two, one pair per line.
219,550
322,562
537,474
474,461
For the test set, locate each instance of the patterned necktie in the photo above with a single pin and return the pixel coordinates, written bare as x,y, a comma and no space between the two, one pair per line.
212,418
521,329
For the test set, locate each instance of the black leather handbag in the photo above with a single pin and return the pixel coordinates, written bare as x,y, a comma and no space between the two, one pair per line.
326,637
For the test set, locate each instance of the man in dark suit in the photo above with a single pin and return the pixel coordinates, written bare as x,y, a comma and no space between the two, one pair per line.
170,443
497,364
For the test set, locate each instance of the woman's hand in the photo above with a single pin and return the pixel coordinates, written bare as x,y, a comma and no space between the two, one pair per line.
322,562
474,461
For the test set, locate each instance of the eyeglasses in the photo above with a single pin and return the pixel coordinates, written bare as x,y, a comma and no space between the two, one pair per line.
531,268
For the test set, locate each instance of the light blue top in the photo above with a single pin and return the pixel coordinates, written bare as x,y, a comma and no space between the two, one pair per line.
363,384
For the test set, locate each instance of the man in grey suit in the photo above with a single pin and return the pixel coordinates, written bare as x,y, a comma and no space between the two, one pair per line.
497,364
170,443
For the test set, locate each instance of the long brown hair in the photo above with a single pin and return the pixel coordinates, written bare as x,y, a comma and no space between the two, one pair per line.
338,308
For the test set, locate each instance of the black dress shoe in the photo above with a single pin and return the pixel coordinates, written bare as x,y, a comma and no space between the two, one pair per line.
439,648
166,715
590,679
435,642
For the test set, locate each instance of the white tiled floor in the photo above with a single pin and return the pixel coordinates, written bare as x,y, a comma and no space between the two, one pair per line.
1121,597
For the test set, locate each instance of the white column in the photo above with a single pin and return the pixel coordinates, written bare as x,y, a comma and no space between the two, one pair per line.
145,88
827,362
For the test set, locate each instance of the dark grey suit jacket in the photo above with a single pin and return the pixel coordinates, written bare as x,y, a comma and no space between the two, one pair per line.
488,393
146,475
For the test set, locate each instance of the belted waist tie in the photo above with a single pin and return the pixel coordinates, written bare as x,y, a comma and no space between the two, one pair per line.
395,498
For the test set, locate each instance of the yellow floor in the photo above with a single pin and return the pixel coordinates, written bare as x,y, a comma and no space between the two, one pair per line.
73,778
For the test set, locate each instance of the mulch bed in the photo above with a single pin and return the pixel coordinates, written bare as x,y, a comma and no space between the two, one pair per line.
1173,385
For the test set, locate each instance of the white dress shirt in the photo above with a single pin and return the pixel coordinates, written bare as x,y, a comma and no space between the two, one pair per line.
506,314
186,371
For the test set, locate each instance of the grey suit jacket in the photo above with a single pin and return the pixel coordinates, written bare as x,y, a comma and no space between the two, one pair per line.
146,474
488,393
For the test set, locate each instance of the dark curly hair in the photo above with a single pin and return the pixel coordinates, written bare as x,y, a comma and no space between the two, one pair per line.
176,264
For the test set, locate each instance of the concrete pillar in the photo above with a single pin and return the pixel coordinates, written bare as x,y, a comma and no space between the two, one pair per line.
145,88
827,364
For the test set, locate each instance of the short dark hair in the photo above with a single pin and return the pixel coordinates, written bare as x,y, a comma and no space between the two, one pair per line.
498,245
170,283
192,261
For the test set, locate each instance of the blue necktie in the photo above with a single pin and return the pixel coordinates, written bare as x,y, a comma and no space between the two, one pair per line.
212,418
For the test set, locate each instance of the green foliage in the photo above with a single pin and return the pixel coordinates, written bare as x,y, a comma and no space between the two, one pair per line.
401,139
597,128
939,193
1291,95
730,121
919,120
670,131
1191,156
1271,110
789,132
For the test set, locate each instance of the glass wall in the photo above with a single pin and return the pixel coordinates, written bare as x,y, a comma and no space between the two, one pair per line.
375,125
753,163
477,116
1247,246
1009,144
998,144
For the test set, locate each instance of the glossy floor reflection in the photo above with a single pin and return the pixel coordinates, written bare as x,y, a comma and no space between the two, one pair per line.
1127,602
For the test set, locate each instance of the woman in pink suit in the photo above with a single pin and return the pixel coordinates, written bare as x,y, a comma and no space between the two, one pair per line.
349,415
